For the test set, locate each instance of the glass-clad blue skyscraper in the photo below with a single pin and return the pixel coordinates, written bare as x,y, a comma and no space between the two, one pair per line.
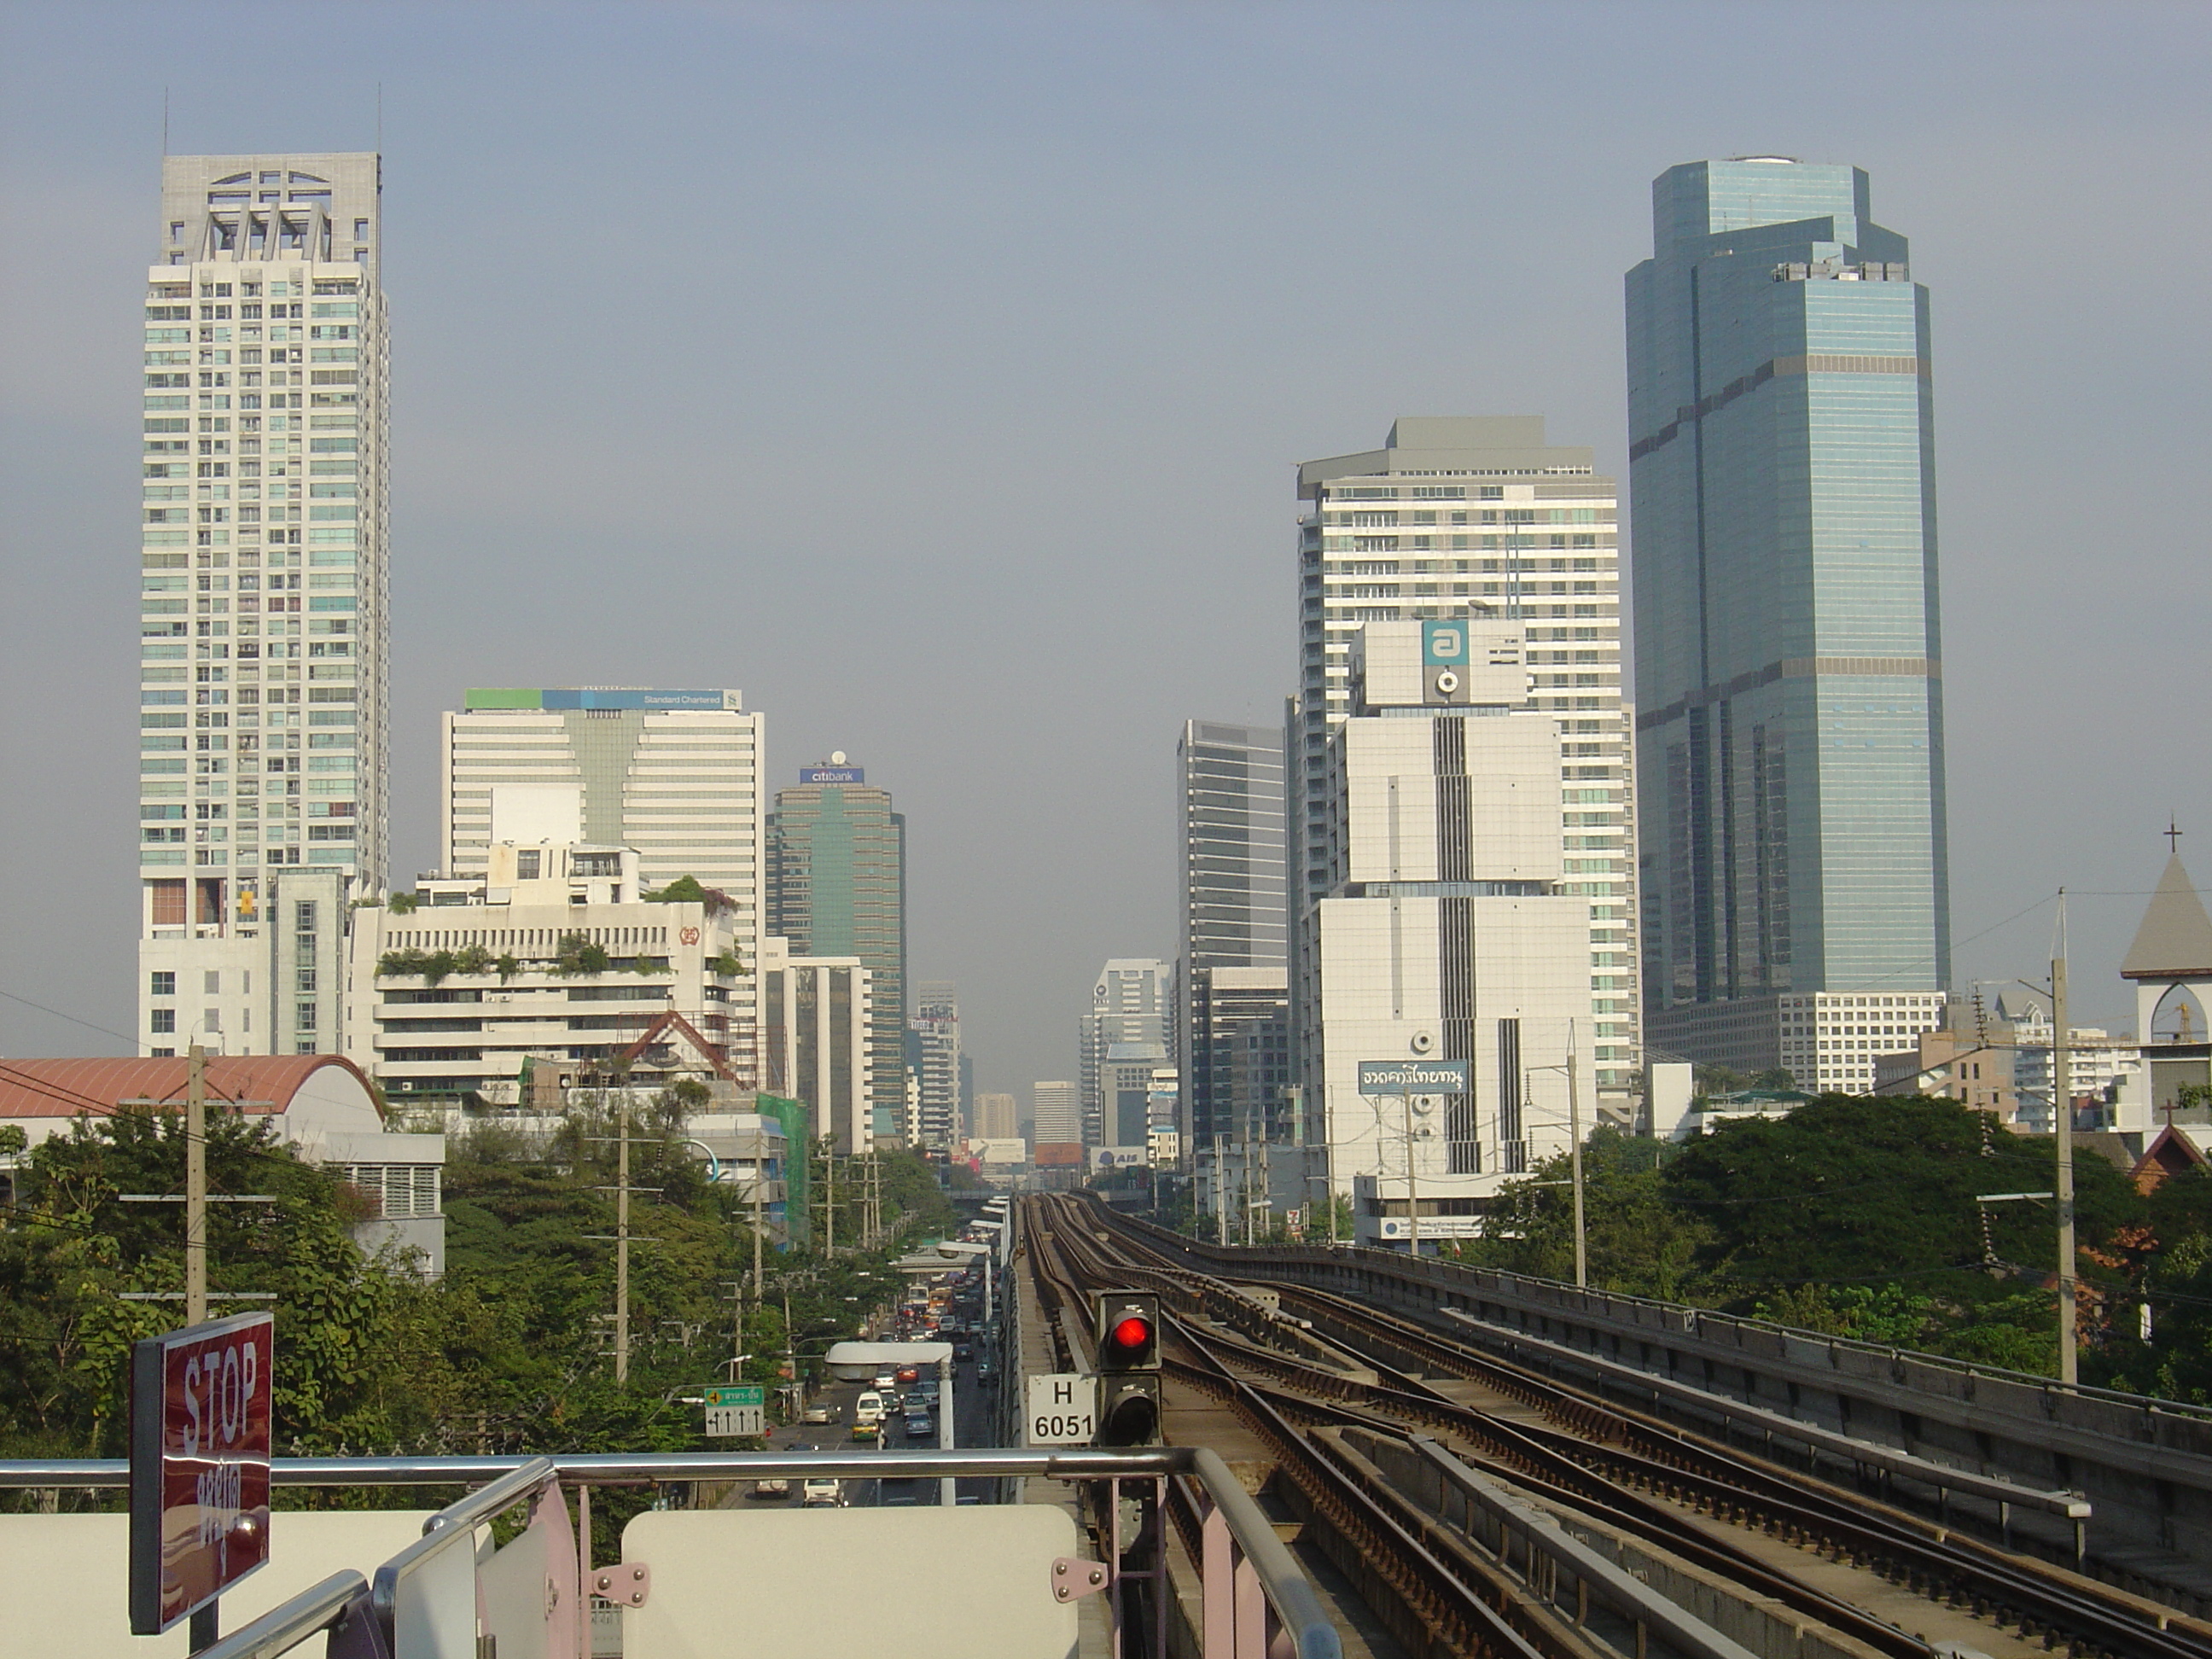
1790,727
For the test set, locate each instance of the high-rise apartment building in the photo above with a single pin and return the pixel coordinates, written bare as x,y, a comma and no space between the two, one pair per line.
1455,926
263,620
1480,518
673,774
936,1028
1788,668
1133,1002
815,1040
1233,916
1057,1113
836,886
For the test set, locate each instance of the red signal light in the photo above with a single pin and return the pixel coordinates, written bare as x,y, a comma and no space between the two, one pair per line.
1131,1332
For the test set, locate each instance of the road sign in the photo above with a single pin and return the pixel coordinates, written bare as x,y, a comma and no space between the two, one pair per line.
1413,1077
199,1465
1063,1409
736,1410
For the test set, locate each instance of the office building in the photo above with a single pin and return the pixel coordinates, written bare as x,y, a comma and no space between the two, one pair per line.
995,1117
1454,925
1788,668
814,1028
1230,890
1133,1001
1057,1114
671,774
836,886
261,617
1479,517
936,1062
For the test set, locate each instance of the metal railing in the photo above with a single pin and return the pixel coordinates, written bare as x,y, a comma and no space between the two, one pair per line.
407,1607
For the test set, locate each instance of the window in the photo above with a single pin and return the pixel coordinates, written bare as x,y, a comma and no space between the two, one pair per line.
211,982
306,980
164,984
304,1020
164,1019
526,865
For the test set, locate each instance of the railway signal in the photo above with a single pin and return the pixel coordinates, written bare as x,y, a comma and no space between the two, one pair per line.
1128,1331
1128,1347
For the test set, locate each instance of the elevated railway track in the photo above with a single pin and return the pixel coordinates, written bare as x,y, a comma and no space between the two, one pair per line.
1340,1394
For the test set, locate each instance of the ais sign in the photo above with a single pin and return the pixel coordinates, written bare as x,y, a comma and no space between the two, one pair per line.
199,1465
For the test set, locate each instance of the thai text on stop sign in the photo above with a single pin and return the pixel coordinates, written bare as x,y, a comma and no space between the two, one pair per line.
200,1449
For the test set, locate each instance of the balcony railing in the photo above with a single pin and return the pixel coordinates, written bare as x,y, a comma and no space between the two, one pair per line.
448,1596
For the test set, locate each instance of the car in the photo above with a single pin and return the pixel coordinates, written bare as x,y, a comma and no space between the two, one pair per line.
909,1373
822,1492
868,1430
919,1427
963,1352
817,1415
869,1407
774,1486
985,1369
886,1378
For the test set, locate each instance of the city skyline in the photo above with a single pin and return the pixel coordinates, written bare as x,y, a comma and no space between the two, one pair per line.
504,533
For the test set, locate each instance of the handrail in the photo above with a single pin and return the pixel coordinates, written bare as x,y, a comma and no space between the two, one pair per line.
454,1524
512,1479
1312,1635
288,1624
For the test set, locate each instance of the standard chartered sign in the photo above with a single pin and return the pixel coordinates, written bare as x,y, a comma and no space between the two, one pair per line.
1413,1077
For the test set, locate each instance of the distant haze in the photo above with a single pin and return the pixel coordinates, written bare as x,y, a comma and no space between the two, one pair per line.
936,375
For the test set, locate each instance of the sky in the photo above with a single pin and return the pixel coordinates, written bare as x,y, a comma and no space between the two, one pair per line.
936,374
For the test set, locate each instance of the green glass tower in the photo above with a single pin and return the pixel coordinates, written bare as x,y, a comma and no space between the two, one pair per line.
836,887
1790,724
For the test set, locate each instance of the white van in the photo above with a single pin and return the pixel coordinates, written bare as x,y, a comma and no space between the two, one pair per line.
868,1408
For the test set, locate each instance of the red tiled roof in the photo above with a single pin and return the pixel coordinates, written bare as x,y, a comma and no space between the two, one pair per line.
64,1088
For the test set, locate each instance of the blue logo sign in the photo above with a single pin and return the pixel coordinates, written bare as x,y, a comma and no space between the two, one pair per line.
832,775
1443,644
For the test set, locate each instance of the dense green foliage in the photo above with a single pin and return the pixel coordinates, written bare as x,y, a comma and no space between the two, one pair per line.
1859,1217
509,1352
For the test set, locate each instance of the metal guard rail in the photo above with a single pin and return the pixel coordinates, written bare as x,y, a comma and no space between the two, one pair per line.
362,1624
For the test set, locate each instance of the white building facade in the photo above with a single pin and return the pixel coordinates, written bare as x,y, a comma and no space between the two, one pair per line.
1132,1001
262,612
1479,517
542,975
814,1040
1830,1040
1457,923
935,1029
673,774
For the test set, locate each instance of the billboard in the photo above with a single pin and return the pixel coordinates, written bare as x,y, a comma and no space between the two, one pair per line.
200,1431
1444,662
833,774
590,696
1120,1157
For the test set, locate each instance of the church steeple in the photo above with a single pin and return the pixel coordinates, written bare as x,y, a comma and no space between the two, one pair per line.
2174,941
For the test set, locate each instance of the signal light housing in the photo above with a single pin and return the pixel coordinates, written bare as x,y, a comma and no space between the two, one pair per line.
1129,1410
1128,1329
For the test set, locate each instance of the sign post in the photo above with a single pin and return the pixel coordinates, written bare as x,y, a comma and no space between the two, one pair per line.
200,1443
731,1411
1406,1079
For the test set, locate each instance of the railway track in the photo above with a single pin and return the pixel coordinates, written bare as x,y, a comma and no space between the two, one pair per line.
1316,1363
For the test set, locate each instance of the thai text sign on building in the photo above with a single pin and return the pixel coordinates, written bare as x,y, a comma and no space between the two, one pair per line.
1413,1077
200,1422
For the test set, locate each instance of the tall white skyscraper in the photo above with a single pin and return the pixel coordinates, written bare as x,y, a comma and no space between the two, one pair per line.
1478,517
1058,1114
263,618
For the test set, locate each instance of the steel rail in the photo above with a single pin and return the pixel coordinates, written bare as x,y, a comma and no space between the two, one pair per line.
2028,1594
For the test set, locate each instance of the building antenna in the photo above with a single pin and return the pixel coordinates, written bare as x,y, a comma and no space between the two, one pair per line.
165,124
379,117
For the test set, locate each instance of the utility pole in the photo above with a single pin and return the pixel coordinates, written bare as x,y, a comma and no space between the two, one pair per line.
760,1189
1575,1137
1221,1186
830,1198
1412,1194
195,1186
621,1245
2062,1101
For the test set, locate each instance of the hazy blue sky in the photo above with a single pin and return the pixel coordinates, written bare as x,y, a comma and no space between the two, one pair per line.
936,375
